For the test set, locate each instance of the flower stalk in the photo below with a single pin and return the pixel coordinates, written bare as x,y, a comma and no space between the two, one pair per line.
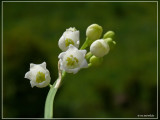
48,111
85,45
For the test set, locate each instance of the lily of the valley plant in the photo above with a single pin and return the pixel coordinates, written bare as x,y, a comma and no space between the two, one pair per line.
71,60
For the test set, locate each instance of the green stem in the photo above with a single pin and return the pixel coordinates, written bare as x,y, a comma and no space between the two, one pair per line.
88,55
50,85
48,110
85,44
48,113
63,74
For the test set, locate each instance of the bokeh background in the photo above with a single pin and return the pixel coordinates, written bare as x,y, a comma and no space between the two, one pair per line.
123,86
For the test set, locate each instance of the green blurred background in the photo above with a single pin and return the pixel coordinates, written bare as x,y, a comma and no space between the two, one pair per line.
123,86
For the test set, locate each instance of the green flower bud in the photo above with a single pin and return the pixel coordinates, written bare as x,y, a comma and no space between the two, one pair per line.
95,61
108,34
110,42
94,32
88,55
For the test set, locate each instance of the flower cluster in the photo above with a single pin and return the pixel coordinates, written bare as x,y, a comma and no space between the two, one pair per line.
99,47
72,59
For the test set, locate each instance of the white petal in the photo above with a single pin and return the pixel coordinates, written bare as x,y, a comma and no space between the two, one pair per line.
83,52
77,33
74,71
78,42
47,76
71,47
38,68
84,64
32,65
41,85
43,65
32,84
61,55
73,35
61,43
27,75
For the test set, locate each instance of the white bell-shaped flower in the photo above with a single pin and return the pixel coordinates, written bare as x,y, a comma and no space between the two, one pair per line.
70,36
73,60
38,75
99,48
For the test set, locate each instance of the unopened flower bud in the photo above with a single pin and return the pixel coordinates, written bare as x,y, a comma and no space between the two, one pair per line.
99,48
95,61
110,42
108,34
94,32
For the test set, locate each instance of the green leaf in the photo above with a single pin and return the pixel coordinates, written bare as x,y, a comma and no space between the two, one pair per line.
48,112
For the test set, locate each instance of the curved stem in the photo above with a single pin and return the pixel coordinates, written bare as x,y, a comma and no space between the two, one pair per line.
50,85
60,77
88,55
85,44
48,111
